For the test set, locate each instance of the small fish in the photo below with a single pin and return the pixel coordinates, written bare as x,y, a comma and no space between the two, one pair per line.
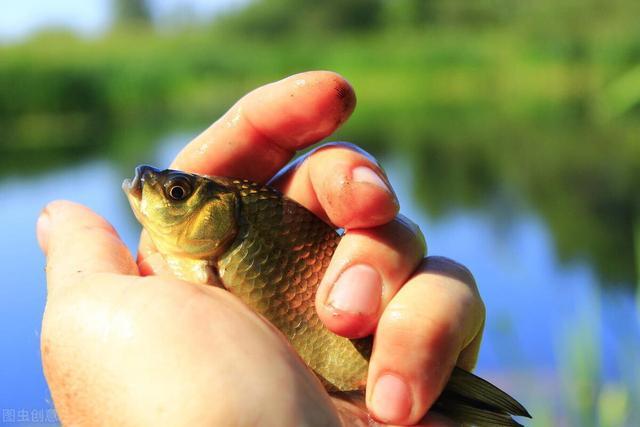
271,253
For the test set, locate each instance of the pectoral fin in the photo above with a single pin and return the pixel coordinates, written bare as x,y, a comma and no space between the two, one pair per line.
194,270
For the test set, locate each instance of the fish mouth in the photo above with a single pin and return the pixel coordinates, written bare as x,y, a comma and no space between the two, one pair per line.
143,174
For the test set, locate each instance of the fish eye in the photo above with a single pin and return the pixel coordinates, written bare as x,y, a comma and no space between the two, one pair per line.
178,189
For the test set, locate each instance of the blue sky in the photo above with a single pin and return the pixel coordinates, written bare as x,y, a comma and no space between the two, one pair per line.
20,18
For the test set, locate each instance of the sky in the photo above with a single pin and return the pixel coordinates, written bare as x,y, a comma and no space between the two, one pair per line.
19,19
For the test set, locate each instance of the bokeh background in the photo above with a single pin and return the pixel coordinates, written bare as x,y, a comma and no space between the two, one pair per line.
509,128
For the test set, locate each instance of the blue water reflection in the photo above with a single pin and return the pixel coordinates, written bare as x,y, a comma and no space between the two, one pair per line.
534,304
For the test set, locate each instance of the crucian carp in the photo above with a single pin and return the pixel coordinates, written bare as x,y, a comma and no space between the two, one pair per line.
271,253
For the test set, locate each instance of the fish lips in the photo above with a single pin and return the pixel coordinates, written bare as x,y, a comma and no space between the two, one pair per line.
143,174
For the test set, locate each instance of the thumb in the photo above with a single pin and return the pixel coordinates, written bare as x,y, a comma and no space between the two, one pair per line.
78,242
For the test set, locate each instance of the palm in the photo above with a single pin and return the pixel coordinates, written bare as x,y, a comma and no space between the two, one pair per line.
178,346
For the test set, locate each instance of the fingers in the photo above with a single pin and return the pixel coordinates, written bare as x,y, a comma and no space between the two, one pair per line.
341,184
77,242
366,271
260,133
431,320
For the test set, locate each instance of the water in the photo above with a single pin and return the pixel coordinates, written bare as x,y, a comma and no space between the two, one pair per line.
542,315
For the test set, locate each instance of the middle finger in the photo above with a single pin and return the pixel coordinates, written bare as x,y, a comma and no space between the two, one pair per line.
366,271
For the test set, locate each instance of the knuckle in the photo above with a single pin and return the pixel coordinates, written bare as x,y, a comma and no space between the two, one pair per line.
397,327
410,326
408,235
481,307
342,148
441,264
409,225
472,305
395,237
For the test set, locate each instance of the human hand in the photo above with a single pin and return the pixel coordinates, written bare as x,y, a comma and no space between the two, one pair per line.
149,349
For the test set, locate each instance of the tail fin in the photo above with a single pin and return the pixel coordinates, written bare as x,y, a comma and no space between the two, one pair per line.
469,399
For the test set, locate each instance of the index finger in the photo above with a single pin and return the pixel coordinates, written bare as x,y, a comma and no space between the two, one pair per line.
263,130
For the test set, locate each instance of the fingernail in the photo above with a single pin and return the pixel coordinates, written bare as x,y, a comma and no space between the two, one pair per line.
42,230
365,174
357,290
391,401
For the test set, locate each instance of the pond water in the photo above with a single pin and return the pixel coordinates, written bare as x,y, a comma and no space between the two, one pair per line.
553,334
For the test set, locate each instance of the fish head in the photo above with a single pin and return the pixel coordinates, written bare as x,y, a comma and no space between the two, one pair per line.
186,215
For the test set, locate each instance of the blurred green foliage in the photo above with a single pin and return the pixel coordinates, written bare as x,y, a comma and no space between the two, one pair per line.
131,12
484,99
288,17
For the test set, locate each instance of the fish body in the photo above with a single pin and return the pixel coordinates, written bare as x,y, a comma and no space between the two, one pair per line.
275,265
272,253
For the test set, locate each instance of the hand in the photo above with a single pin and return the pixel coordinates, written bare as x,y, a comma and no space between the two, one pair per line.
126,349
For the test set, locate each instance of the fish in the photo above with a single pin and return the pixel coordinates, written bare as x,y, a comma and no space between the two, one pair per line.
272,252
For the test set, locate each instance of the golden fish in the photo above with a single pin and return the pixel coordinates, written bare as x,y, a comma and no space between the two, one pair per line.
271,253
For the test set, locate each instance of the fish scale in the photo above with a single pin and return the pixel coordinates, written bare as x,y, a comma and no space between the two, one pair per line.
287,299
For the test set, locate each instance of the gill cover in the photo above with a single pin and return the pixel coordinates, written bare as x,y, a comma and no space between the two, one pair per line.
212,227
